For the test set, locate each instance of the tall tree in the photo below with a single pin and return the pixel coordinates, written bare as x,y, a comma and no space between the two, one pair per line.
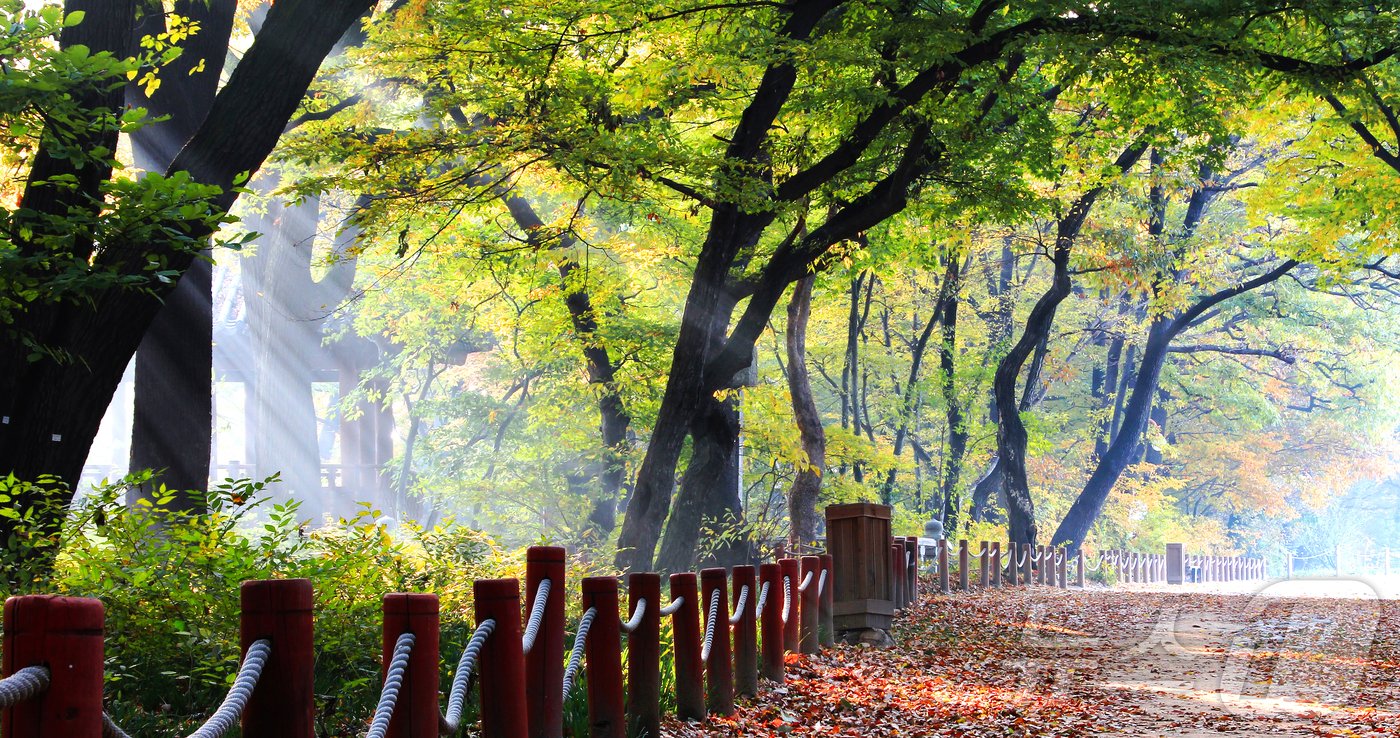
54,397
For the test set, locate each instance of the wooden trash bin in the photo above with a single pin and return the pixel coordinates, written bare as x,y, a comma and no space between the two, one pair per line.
858,538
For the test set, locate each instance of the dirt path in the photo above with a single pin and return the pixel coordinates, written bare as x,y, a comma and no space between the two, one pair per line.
1123,662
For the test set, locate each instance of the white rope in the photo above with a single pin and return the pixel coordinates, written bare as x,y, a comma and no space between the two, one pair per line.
637,612
461,680
787,598
393,683
806,582
710,619
24,684
1093,563
576,656
762,598
821,584
228,713
1036,555
673,607
532,626
739,604
1021,558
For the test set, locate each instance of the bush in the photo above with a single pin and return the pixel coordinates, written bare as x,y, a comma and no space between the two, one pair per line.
169,581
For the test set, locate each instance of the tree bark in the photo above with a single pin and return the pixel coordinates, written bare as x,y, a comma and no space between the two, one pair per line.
708,500
802,496
947,317
172,425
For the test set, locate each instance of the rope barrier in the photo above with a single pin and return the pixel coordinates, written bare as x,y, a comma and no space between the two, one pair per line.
1035,555
710,627
24,684
1021,559
787,598
393,683
635,621
738,613
461,680
762,598
806,582
1093,563
821,583
576,656
231,709
673,607
532,627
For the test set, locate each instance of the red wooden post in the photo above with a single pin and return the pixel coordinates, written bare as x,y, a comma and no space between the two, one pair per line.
745,633
1062,557
1027,566
962,565
792,571
943,565
282,704
771,622
911,568
1079,568
64,634
416,714
807,641
719,669
502,663
607,717
544,664
685,629
996,563
895,553
644,657
826,631
984,561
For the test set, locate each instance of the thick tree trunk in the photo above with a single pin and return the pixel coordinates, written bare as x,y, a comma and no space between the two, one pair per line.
989,489
708,502
802,496
172,426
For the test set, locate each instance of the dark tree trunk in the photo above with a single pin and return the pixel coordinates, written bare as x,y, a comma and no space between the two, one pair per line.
1011,432
802,496
708,501
909,401
172,425
947,317
54,407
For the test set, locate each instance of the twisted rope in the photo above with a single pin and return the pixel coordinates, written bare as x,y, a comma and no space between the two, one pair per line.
1093,563
461,680
532,627
821,583
231,709
393,683
743,599
1020,558
576,656
637,612
710,626
787,598
762,598
24,684
806,582
673,607
1036,555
